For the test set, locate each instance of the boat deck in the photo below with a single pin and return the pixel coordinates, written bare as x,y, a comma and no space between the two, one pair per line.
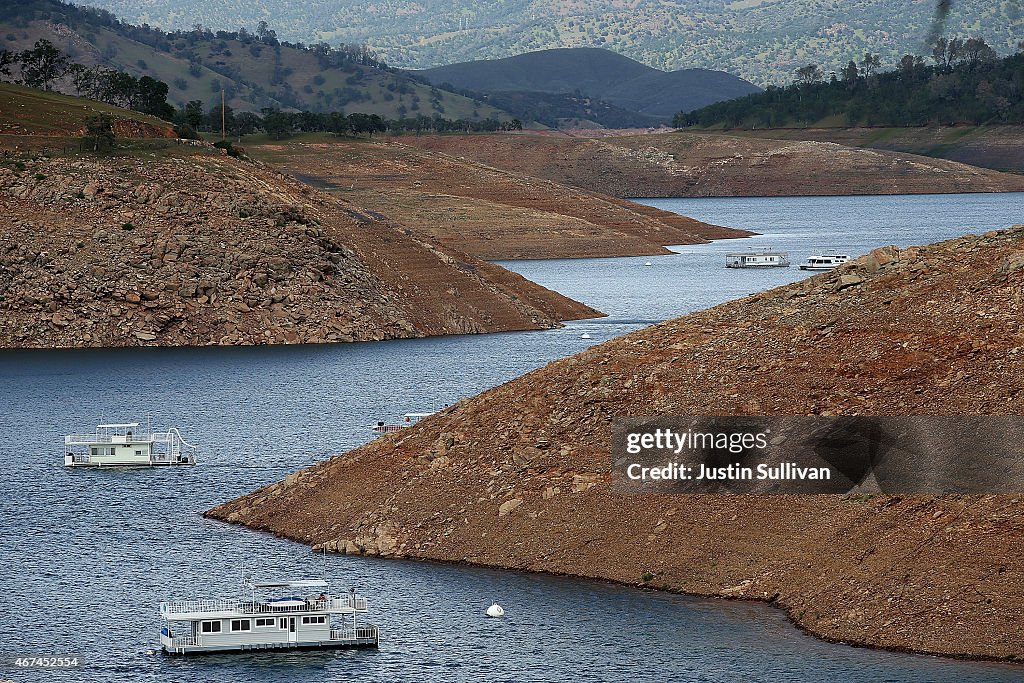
187,610
359,637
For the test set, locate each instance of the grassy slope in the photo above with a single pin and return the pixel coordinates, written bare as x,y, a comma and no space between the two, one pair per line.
89,47
27,111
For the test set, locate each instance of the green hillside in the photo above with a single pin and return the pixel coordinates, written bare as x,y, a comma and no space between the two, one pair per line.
760,40
971,86
254,74
28,111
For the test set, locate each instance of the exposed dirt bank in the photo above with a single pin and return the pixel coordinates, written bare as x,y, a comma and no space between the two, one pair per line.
996,147
195,249
715,165
518,477
488,212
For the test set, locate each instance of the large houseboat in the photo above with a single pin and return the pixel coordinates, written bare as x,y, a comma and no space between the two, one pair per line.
301,615
765,258
127,445
825,260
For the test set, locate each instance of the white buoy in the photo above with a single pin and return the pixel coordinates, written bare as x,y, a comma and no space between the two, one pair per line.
495,610
648,264
584,336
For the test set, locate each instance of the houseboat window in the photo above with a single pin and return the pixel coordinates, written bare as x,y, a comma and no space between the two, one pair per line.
210,627
314,620
282,623
265,622
138,452
241,625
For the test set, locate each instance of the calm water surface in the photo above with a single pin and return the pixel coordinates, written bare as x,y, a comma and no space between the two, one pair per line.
88,555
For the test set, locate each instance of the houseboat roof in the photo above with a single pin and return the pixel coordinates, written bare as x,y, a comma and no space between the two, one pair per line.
304,583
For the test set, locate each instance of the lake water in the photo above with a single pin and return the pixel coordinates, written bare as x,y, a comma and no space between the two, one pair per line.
88,555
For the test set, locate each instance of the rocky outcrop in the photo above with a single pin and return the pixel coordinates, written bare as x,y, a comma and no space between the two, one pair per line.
518,476
687,164
192,248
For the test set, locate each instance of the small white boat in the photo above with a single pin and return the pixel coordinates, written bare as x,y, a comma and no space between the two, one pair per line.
824,260
495,610
765,258
314,619
648,264
127,445
408,420
585,335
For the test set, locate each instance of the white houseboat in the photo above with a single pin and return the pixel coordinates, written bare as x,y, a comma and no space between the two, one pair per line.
766,258
825,260
127,445
408,420
306,616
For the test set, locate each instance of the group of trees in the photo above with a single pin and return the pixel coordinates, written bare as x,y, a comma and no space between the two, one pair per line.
38,67
44,66
962,81
279,124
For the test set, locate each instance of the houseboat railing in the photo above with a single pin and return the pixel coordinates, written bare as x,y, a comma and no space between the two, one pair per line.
171,436
105,438
358,633
183,641
170,609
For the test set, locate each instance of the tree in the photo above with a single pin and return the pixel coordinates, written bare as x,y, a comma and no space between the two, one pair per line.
214,118
910,67
81,78
42,65
946,52
6,59
265,34
193,113
277,124
151,98
246,123
99,132
976,51
870,64
850,73
806,75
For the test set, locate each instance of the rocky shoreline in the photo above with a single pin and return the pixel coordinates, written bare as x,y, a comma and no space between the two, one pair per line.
488,212
696,164
194,248
519,476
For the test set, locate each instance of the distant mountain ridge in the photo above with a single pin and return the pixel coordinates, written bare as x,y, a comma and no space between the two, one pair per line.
595,72
763,41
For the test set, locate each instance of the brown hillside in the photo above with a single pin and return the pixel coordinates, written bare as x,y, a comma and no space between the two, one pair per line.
685,164
191,248
518,476
484,211
998,147
31,112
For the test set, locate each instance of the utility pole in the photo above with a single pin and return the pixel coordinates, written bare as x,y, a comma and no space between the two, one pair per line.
223,129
